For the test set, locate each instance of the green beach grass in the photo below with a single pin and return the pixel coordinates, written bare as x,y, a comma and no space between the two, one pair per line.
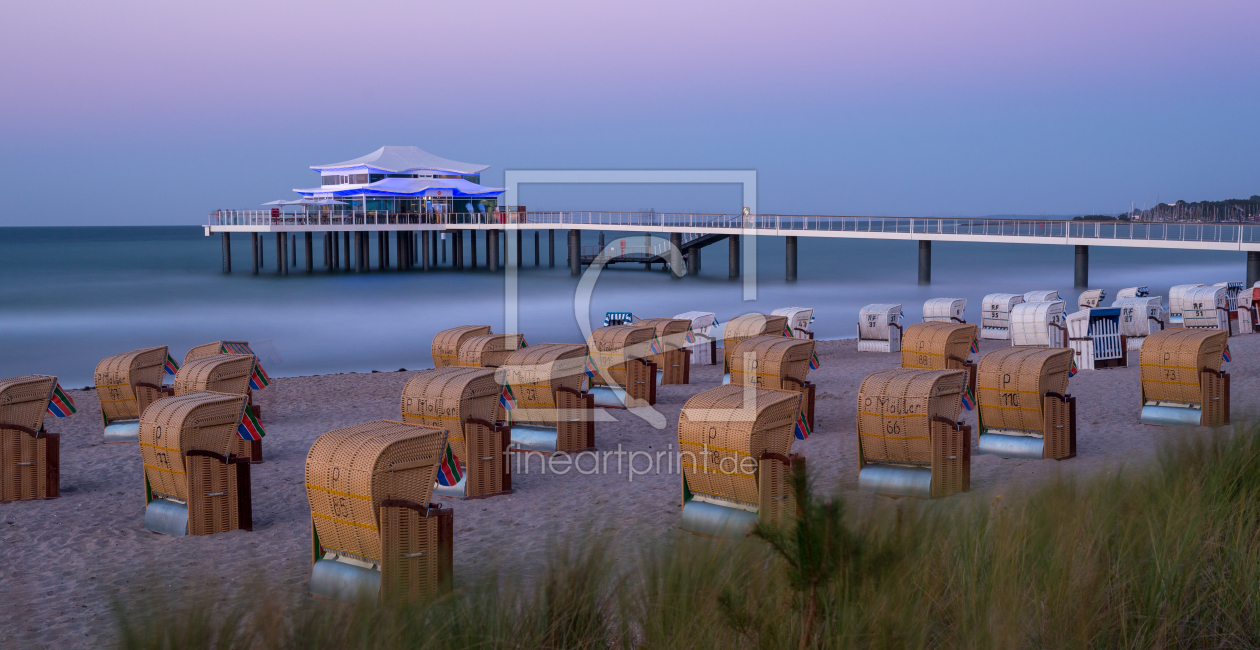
1161,556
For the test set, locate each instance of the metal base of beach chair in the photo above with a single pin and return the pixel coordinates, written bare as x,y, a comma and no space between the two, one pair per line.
336,580
460,489
1011,446
166,517
608,396
712,520
534,438
122,431
895,480
726,379
1168,415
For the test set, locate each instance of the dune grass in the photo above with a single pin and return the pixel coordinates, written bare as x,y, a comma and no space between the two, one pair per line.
1162,556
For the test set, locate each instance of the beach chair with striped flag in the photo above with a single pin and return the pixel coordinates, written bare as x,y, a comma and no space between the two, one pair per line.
258,379
626,375
466,402
745,327
374,533
446,344
194,483
941,346
126,385
1182,380
233,374
778,363
671,349
1025,410
30,457
548,409
736,460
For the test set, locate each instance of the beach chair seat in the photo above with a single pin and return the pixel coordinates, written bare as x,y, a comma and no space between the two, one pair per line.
223,373
488,350
626,375
995,315
30,457
374,532
446,343
910,442
673,361
879,328
1024,408
945,310
1182,381
800,320
546,407
465,402
194,483
746,327
126,385
704,348
779,363
736,460
940,346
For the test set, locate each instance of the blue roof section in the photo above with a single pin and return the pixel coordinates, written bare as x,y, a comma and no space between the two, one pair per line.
411,187
396,160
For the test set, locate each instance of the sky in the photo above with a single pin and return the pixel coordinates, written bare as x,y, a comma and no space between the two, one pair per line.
137,113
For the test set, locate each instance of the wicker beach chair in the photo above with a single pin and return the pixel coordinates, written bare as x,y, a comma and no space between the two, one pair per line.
30,457
446,343
488,350
261,380
1182,382
126,385
1039,323
1024,408
910,442
940,346
1041,296
735,455
799,320
194,483
626,376
879,328
374,533
673,361
748,326
704,347
779,363
995,315
546,407
944,310
223,373
465,402
1177,303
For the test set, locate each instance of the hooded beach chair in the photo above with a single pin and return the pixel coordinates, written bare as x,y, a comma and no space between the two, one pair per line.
1039,323
735,456
231,374
194,483
128,383
1139,318
30,457
1023,404
1177,304
374,533
542,395
1041,296
625,375
879,328
673,358
944,310
910,442
258,381
465,402
1182,382
1206,308
746,327
995,315
446,343
1097,338
940,346
1091,298
1247,314
704,347
799,320
779,363
488,350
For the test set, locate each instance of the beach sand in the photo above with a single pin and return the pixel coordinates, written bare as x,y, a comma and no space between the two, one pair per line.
66,562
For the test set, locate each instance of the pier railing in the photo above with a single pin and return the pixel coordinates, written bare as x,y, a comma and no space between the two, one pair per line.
1242,233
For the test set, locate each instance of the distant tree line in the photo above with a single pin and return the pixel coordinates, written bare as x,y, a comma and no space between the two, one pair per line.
1200,211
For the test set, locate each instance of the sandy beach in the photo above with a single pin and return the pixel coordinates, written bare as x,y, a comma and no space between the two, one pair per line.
68,560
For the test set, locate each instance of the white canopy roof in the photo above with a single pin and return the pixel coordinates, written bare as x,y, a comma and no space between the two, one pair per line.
409,187
397,160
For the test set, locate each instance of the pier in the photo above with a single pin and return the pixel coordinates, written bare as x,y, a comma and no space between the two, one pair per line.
422,240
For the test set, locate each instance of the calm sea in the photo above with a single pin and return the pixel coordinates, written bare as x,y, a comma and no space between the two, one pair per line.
71,296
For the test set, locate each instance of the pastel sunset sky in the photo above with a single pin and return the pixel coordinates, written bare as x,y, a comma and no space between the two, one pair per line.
118,113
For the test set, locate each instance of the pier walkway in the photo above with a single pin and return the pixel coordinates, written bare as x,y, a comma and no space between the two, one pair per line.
690,232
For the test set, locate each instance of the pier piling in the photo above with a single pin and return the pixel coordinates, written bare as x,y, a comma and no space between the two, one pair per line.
292,242
733,272
1253,269
310,252
790,243
424,249
281,258
1082,267
675,254
693,260
925,261
537,249
253,238
345,250
227,253
551,248
575,252
519,249
492,250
